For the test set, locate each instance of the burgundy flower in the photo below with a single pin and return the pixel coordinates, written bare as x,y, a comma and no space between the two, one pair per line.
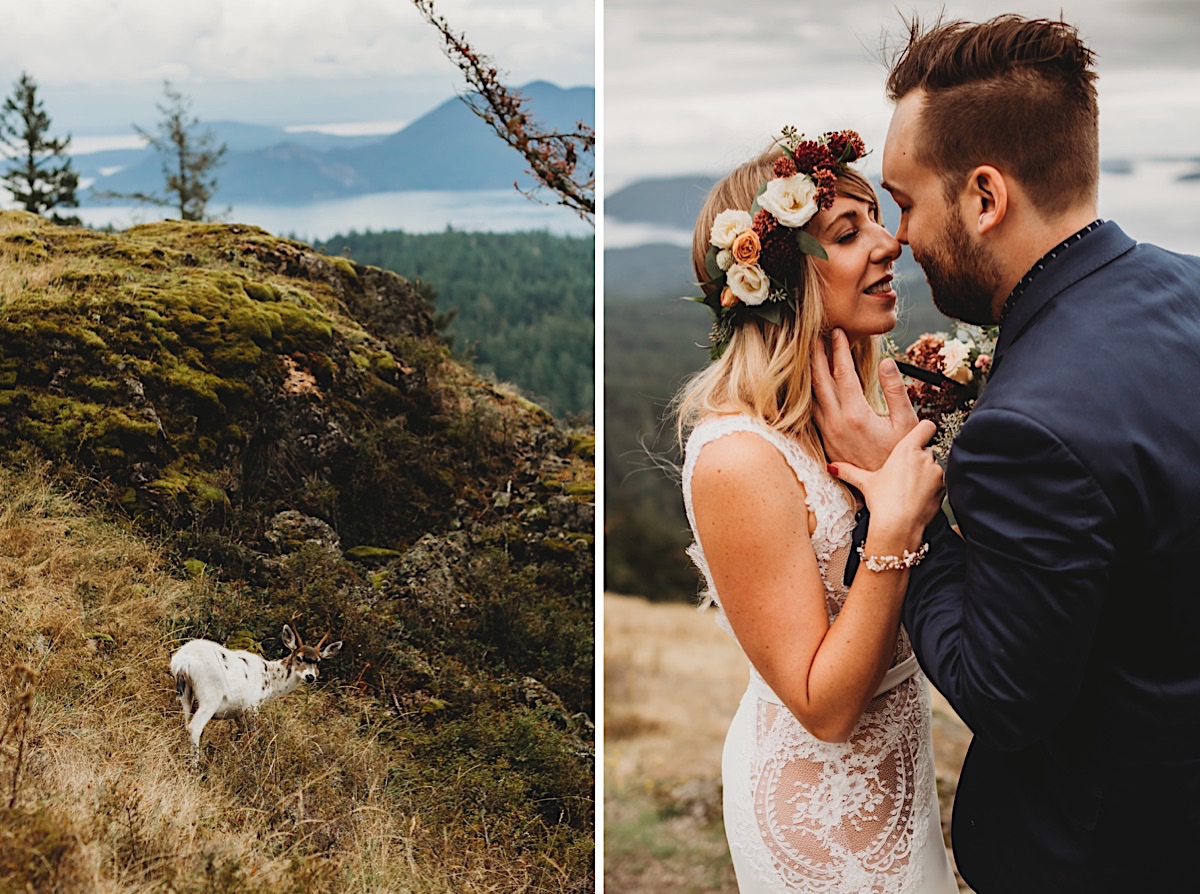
826,181
924,352
811,156
780,254
846,145
784,166
764,224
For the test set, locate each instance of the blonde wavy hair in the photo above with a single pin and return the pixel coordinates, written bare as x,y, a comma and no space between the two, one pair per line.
765,371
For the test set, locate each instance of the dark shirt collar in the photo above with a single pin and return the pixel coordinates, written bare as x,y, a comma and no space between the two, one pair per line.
1037,268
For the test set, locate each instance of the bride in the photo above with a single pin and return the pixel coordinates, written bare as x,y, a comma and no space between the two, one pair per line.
828,763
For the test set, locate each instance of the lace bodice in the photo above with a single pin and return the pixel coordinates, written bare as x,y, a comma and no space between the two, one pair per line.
808,815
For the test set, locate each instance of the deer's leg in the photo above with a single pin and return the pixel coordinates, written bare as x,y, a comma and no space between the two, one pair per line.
204,713
183,692
242,722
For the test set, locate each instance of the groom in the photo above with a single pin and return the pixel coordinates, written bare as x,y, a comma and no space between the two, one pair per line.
1064,624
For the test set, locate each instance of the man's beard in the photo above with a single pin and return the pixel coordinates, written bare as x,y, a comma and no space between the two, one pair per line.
962,274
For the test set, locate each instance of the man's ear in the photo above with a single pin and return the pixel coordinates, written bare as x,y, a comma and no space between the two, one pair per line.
986,197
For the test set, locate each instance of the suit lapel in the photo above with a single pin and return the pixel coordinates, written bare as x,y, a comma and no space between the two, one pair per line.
1095,250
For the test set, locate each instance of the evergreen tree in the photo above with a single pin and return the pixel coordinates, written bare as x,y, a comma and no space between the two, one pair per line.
189,158
39,174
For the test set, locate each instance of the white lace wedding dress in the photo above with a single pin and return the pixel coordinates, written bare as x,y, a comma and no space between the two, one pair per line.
859,817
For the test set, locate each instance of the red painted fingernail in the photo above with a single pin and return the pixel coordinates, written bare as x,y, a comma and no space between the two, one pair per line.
831,469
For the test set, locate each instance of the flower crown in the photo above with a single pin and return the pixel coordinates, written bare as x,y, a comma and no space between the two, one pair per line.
753,257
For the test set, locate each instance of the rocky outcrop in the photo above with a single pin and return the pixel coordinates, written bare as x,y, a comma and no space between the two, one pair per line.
203,371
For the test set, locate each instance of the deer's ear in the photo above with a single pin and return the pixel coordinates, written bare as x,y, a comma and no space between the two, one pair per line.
288,635
332,649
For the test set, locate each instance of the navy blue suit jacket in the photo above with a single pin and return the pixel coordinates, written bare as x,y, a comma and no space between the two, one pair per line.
1064,626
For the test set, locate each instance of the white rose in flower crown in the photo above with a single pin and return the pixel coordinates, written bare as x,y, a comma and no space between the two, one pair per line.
956,356
791,200
749,283
728,224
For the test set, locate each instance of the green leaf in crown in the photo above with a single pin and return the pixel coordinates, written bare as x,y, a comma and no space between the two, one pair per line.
810,246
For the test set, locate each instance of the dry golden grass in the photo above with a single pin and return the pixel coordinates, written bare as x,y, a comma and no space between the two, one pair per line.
36,270
105,799
672,680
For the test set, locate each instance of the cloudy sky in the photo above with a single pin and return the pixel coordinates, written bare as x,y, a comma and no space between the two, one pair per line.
699,85
100,64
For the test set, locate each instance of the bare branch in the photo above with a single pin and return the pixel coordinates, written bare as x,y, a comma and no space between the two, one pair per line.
555,159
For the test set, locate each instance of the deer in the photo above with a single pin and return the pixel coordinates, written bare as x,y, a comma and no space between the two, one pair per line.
212,682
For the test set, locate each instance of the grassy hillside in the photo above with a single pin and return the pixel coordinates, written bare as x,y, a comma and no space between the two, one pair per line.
207,431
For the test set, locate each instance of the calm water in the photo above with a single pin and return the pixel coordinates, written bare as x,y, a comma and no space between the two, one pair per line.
496,211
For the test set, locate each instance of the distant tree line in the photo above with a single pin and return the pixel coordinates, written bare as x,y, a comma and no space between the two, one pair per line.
518,305
650,346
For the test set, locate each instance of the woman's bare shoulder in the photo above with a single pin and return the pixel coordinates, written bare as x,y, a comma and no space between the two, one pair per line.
741,459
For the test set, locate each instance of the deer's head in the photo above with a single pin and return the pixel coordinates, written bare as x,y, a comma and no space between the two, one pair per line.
304,660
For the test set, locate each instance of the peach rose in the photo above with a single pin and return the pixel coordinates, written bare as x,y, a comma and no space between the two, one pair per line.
746,248
728,299
961,374
955,360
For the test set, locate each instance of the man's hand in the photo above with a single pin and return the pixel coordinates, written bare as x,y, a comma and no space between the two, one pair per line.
905,493
850,429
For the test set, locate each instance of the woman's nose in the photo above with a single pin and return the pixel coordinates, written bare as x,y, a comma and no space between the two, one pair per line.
889,246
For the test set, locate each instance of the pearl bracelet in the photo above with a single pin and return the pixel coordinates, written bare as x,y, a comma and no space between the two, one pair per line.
894,563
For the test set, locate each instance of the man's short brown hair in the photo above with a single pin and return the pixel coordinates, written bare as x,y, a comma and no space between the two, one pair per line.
1012,92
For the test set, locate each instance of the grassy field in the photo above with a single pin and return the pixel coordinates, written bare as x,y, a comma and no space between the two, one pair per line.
672,681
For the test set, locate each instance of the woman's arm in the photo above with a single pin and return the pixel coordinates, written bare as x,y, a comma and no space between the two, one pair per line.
755,528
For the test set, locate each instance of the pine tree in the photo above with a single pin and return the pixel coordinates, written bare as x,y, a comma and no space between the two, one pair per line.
39,174
189,158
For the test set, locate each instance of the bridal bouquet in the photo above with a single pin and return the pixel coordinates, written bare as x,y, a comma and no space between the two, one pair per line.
947,373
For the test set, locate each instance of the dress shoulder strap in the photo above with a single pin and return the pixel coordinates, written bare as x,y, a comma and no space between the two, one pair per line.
826,500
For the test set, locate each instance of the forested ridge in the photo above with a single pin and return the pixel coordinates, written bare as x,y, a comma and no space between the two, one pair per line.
521,306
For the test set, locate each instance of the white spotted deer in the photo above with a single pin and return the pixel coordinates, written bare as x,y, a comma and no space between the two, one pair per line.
212,682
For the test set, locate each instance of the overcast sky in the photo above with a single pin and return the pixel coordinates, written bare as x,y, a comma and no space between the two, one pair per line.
697,86
100,64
